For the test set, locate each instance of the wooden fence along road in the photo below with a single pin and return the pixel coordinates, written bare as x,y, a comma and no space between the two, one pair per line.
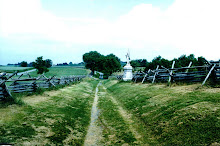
183,74
31,84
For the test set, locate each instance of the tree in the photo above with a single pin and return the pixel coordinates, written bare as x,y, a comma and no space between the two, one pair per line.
201,61
182,61
40,65
23,64
48,63
98,62
92,60
111,64
139,63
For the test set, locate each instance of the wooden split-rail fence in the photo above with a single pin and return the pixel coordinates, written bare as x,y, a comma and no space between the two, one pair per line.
31,84
182,74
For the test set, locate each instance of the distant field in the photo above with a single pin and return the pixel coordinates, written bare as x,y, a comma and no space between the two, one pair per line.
63,71
11,69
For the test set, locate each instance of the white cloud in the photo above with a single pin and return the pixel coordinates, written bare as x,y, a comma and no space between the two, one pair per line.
193,26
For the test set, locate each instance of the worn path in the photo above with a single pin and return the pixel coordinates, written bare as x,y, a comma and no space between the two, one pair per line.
129,119
94,133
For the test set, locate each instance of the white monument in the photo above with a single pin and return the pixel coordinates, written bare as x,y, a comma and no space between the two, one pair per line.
128,69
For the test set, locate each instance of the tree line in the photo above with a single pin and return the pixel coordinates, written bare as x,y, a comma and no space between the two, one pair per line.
111,63
40,64
181,61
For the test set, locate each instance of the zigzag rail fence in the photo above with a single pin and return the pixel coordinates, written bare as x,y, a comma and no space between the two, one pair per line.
182,74
31,84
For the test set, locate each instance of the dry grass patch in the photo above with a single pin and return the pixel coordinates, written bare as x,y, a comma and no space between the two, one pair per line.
10,113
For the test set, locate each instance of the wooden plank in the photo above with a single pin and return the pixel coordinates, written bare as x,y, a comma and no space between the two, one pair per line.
21,90
208,74
171,72
155,74
145,76
189,66
217,62
20,76
193,67
17,80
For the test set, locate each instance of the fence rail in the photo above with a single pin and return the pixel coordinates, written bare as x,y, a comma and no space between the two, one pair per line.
182,74
31,84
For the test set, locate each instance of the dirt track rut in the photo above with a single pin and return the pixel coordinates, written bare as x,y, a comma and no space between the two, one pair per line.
94,133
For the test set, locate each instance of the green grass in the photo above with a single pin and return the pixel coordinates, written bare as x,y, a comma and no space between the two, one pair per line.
63,71
186,114
12,69
115,129
172,115
58,117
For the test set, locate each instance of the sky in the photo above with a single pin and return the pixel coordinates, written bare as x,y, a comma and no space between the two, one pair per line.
64,30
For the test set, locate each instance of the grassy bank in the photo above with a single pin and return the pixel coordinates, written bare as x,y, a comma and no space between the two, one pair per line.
115,129
178,115
56,117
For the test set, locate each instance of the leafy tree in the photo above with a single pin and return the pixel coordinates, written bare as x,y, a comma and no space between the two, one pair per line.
30,64
182,61
201,61
40,65
92,60
24,64
158,61
139,63
48,63
111,64
98,62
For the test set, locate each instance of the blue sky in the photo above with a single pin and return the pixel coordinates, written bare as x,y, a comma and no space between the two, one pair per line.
64,30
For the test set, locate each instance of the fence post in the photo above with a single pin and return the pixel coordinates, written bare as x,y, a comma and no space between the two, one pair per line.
210,71
171,72
34,86
145,76
189,66
155,73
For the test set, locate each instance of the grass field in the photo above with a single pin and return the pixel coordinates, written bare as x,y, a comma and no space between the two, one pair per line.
63,71
8,69
179,115
54,118
128,114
